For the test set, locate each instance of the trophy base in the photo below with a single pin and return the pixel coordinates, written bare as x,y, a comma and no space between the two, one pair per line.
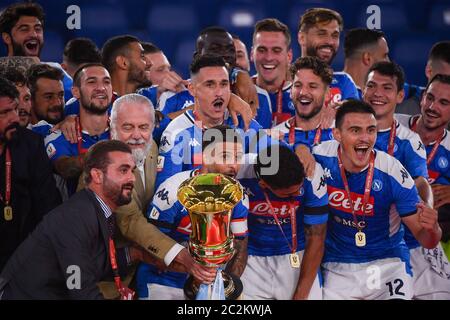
232,284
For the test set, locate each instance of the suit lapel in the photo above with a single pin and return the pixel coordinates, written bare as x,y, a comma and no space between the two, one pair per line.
101,220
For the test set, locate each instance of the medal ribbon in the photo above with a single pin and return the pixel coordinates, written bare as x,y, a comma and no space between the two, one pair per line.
292,212
367,186
433,151
125,293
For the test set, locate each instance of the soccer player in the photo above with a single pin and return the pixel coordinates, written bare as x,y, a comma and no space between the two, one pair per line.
92,87
363,47
287,225
272,54
370,194
318,35
431,267
222,153
311,80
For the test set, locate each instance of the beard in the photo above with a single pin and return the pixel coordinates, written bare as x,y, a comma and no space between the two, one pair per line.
115,192
57,108
313,52
9,135
138,76
316,110
139,154
92,108
19,49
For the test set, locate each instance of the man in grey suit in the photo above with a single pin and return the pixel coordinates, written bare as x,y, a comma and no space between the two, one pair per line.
69,252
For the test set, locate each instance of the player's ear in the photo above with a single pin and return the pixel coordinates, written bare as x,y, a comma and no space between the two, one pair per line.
6,38
337,134
122,62
191,88
367,59
76,92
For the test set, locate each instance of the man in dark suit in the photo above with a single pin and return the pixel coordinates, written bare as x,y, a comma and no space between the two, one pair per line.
69,252
27,186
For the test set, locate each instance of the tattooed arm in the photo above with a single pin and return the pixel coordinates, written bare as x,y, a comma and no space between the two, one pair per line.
315,244
237,264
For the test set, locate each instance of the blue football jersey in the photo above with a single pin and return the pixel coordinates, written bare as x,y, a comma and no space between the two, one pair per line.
167,213
172,102
342,87
265,237
438,168
393,196
57,146
151,93
42,128
408,149
287,107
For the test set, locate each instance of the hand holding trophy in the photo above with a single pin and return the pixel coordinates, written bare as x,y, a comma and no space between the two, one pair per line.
210,199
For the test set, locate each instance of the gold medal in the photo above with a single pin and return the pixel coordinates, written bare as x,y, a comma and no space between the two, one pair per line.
295,260
360,239
7,211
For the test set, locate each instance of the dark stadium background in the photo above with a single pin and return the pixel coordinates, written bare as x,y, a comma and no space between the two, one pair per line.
411,26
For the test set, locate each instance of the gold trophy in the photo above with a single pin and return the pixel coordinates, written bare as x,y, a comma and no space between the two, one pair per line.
209,199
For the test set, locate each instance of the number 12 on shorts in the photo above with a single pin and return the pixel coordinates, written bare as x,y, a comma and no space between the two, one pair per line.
395,287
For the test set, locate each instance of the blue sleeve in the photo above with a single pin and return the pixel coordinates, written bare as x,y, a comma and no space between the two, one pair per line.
414,163
405,198
57,146
264,115
177,102
315,198
158,131
349,90
72,108
239,220
151,93
178,157
68,83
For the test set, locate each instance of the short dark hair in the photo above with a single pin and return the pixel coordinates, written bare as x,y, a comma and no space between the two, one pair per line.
42,70
273,25
356,39
440,51
207,30
12,14
114,47
150,48
313,16
390,69
81,50
14,75
206,60
443,78
290,170
220,134
77,75
318,67
352,106
97,156
8,89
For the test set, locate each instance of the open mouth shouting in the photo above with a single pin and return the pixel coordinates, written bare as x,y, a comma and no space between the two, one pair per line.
218,104
362,151
32,47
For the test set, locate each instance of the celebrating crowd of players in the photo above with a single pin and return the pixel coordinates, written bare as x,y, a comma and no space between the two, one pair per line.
345,198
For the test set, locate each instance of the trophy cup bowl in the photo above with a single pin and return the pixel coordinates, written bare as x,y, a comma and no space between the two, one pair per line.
209,200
